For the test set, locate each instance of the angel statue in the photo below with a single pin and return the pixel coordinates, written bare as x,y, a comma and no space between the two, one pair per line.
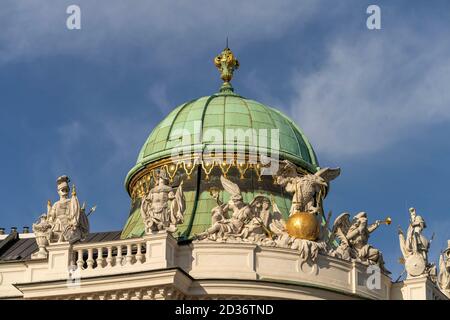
415,246
307,188
161,208
444,271
354,236
227,226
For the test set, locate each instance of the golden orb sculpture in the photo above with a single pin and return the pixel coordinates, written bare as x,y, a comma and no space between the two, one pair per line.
303,225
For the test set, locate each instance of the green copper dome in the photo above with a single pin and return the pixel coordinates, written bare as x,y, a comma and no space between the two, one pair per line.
223,111
201,130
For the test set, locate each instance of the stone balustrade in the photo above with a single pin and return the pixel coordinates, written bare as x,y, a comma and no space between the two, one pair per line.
155,251
111,254
195,269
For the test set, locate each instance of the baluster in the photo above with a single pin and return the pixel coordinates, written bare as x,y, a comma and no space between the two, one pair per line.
129,257
100,257
90,259
119,258
139,254
109,258
72,263
147,251
80,261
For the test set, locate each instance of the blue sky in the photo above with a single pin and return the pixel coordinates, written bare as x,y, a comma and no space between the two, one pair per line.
375,103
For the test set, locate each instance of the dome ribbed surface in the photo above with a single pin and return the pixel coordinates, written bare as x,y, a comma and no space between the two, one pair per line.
222,111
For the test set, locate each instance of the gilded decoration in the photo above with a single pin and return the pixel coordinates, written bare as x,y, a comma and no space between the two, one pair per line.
227,64
142,182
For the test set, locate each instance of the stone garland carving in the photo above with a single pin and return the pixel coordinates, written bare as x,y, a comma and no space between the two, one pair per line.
162,208
415,247
65,220
353,239
444,271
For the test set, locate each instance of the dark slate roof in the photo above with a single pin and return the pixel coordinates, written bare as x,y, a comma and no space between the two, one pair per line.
102,236
14,249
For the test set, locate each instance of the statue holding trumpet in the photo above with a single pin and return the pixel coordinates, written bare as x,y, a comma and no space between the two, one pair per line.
354,236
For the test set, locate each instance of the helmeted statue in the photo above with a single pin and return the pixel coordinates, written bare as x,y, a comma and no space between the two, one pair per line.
415,246
354,239
65,219
415,241
68,220
162,208
444,271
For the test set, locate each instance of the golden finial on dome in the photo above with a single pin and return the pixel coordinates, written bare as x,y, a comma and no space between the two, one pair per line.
226,63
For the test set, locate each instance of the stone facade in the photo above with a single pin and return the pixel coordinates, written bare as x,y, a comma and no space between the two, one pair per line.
157,267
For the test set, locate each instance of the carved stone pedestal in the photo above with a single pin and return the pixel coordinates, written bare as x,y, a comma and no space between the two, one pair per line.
418,288
42,243
161,248
58,259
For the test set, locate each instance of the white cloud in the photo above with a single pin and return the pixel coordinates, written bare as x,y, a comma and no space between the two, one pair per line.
124,137
371,90
374,90
121,137
70,135
157,94
170,30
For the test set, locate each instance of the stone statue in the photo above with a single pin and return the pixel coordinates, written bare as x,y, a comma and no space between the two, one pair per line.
258,229
65,219
225,226
415,247
161,208
68,220
259,222
354,237
261,205
444,271
307,188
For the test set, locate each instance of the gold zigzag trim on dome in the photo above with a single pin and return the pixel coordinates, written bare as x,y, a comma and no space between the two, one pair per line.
140,184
